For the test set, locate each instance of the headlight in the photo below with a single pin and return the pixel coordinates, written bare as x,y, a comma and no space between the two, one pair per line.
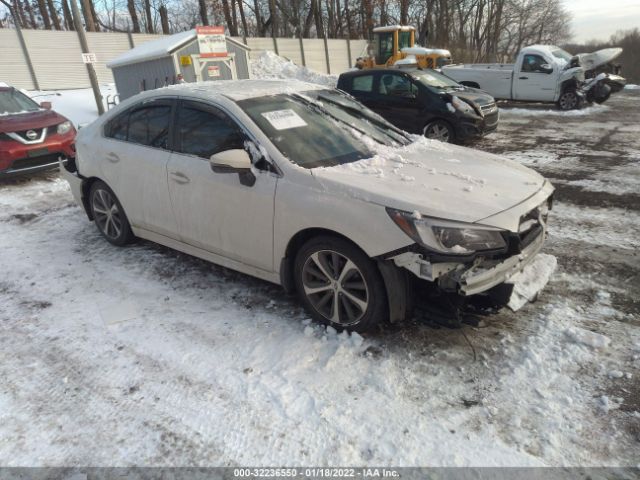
461,105
447,237
64,127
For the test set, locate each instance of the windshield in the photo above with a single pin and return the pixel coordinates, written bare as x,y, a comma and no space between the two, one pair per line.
563,54
13,101
433,79
320,128
404,39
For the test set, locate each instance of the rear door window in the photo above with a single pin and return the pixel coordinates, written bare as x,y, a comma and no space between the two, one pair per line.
362,84
149,125
118,126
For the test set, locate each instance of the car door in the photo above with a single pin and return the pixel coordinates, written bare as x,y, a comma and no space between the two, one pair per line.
397,97
533,81
215,211
135,152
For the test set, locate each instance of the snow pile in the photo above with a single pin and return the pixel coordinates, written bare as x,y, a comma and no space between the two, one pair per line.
544,112
79,106
529,282
632,86
271,66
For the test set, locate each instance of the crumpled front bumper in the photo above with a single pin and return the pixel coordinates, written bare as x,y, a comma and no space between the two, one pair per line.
467,280
483,276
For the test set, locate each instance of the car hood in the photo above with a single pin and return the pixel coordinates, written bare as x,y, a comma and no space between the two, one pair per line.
435,179
590,61
474,95
29,120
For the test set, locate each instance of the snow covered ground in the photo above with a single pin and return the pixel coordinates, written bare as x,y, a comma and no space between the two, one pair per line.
145,356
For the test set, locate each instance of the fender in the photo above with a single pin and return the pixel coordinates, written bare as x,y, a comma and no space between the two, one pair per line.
571,76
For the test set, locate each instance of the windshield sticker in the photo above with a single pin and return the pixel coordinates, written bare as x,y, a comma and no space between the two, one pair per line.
284,119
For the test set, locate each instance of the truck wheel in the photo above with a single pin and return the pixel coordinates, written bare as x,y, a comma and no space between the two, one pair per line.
339,285
439,130
568,100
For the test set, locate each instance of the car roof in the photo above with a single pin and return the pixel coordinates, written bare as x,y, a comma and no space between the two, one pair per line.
238,89
355,73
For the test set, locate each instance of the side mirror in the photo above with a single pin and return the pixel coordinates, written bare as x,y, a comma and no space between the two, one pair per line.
45,105
230,161
234,161
546,68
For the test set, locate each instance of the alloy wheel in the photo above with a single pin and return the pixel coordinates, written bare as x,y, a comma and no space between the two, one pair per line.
437,131
568,101
107,213
335,287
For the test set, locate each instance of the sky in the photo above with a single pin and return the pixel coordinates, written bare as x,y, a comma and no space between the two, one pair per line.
599,19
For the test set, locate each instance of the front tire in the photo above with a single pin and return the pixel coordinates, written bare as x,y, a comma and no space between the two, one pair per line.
439,130
569,100
339,285
109,215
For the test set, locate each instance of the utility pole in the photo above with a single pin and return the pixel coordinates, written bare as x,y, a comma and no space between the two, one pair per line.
23,45
85,49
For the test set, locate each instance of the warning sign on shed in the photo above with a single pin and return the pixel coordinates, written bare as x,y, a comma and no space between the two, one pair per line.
211,42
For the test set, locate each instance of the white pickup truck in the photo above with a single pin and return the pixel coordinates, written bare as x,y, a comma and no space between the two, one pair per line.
544,73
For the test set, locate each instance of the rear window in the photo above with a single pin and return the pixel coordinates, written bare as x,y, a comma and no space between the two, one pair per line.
14,101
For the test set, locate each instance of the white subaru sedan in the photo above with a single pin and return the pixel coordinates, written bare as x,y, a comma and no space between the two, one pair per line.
302,186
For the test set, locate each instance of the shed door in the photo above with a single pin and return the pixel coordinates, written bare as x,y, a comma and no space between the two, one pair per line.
217,69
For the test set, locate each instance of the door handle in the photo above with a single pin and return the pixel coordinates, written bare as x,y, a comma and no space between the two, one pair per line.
523,78
179,177
112,157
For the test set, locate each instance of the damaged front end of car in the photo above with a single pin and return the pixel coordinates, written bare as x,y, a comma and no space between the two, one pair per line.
599,77
468,260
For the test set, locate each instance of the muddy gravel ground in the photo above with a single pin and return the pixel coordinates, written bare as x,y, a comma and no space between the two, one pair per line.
144,356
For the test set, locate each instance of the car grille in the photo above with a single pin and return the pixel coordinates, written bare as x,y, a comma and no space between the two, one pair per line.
489,108
25,163
23,134
490,113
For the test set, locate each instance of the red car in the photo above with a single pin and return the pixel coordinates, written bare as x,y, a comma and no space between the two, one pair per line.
32,136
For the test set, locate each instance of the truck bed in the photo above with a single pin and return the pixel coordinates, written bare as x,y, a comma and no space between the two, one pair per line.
493,78
483,66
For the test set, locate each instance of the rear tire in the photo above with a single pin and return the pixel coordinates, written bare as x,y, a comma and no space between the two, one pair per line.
439,130
109,215
339,285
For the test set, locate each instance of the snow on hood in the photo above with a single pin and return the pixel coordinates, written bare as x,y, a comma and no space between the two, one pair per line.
592,60
436,179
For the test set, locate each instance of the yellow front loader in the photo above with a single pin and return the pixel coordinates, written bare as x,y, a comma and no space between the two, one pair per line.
395,45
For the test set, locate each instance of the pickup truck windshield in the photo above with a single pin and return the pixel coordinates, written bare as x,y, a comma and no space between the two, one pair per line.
560,53
305,133
433,79
13,101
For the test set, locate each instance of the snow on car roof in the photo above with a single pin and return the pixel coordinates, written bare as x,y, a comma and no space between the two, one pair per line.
154,49
244,89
